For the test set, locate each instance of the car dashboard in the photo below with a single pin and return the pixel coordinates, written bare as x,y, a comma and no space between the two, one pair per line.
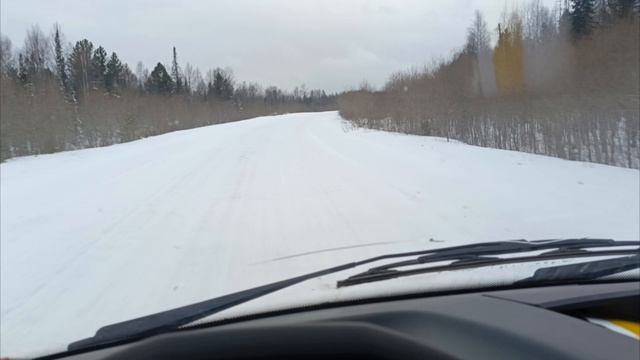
548,322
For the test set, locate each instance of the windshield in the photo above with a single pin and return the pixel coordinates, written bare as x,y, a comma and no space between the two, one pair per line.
160,154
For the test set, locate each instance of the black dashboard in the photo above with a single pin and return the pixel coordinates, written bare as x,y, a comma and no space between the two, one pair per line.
529,323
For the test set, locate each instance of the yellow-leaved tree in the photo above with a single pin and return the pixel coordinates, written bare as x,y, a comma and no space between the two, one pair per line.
508,57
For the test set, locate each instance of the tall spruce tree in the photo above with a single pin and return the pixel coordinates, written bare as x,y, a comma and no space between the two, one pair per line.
582,17
99,66
175,73
222,84
159,81
61,66
113,74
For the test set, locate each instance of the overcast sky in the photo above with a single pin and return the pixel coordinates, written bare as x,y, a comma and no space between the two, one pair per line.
331,44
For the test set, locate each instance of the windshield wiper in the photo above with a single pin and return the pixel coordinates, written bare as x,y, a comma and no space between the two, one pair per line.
172,319
485,254
583,271
473,255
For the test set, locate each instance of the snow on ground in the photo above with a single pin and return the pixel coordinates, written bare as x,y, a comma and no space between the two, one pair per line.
98,236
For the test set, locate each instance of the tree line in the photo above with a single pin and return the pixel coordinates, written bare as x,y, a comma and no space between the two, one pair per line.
562,82
57,96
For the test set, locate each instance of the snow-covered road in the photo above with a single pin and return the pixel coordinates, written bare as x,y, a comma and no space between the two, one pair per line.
102,235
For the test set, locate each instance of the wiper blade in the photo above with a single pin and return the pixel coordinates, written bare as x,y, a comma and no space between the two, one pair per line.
505,247
582,271
172,319
484,254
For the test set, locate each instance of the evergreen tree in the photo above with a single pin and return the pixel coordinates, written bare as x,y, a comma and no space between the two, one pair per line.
80,66
61,66
99,66
582,17
113,74
564,22
175,73
160,81
222,85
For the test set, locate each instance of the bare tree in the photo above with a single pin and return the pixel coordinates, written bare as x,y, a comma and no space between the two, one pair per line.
189,77
538,21
577,100
199,83
6,56
479,47
478,37
142,74
37,52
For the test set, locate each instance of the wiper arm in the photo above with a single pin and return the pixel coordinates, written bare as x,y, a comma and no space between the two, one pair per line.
172,319
485,255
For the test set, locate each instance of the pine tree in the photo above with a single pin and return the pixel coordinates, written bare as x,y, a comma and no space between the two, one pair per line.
99,65
175,73
222,85
564,22
582,17
80,66
160,81
61,66
113,74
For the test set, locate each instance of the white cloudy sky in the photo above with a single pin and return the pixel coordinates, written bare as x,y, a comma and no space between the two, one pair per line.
330,44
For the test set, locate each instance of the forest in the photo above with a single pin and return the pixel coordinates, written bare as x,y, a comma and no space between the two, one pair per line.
57,96
562,82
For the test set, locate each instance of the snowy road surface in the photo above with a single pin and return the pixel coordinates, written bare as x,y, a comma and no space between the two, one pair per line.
98,236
